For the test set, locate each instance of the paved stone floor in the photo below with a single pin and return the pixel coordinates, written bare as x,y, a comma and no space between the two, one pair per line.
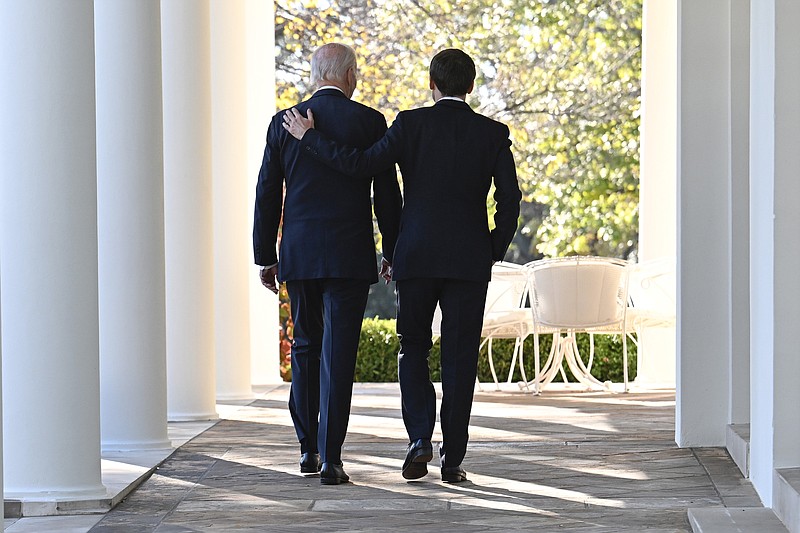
562,461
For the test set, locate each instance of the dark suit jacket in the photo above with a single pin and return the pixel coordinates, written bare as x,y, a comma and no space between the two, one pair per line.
448,155
327,216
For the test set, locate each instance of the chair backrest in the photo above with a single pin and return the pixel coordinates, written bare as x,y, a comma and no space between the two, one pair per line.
508,288
579,292
652,285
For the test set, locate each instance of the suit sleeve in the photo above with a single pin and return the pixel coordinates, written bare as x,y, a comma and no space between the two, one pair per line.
269,200
352,161
507,197
388,203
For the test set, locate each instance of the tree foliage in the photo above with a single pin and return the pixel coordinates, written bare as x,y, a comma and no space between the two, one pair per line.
563,75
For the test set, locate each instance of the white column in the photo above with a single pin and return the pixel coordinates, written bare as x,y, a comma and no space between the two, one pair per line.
703,275
48,237
264,321
657,181
130,212
762,239
232,245
775,222
739,215
2,497
188,209
786,362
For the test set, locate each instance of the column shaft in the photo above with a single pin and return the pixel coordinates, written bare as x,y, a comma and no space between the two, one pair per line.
703,276
2,507
188,226
774,224
264,320
739,230
131,225
658,182
786,394
232,243
762,242
48,237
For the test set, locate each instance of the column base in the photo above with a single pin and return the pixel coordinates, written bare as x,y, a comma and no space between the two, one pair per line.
235,397
737,442
121,473
142,446
92,500
192,417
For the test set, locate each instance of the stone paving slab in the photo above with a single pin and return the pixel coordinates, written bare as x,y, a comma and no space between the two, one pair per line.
563,461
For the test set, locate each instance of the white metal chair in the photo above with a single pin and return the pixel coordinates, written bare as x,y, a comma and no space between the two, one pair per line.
577,294
651,298
505,316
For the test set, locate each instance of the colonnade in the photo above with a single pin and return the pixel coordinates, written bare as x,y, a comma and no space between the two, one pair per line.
125,260
131,137
738,305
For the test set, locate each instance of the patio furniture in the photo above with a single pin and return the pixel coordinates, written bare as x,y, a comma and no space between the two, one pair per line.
651,298
505,316
572,295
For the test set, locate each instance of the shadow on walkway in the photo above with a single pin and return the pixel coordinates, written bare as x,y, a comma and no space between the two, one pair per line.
562,461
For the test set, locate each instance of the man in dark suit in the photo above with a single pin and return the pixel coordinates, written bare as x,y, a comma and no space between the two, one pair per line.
327,254
448,157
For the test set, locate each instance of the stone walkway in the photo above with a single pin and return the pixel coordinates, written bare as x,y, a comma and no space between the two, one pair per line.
563,461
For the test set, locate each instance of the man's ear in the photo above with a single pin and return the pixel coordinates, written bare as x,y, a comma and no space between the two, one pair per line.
432,85
471,86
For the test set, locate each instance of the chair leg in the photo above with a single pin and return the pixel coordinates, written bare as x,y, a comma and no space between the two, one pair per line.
536,366
513,360
491,366
625,361
522,366
545,373
483,343
577,367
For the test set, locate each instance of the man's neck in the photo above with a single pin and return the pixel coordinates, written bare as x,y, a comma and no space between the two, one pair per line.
328,85
456,98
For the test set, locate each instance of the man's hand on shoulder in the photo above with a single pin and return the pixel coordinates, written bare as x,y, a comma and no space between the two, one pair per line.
296,124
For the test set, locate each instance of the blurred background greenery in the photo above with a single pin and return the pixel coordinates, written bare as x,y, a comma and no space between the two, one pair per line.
565,76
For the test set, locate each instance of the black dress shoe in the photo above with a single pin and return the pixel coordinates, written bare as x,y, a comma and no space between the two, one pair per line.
416,464
332,474
453,474
309,463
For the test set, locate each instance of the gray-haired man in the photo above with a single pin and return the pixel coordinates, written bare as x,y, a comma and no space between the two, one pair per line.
327,254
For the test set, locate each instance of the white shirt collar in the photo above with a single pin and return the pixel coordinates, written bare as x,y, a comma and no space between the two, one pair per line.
457,99
330,87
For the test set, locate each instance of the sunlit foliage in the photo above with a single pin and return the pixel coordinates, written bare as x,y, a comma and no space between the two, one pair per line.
563,74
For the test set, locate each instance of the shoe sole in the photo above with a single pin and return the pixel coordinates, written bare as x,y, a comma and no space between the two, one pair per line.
332,480
418,467
308,470
453,478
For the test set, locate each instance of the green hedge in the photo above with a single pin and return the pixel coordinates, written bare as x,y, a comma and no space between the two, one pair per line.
378,348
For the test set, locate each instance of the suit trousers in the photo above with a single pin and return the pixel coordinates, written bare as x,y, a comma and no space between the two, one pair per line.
462,303
327,315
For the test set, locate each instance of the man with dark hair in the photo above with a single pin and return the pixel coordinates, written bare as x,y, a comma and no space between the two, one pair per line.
327,254
448,156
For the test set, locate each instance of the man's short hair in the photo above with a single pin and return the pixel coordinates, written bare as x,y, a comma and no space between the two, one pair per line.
453,72
331,62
